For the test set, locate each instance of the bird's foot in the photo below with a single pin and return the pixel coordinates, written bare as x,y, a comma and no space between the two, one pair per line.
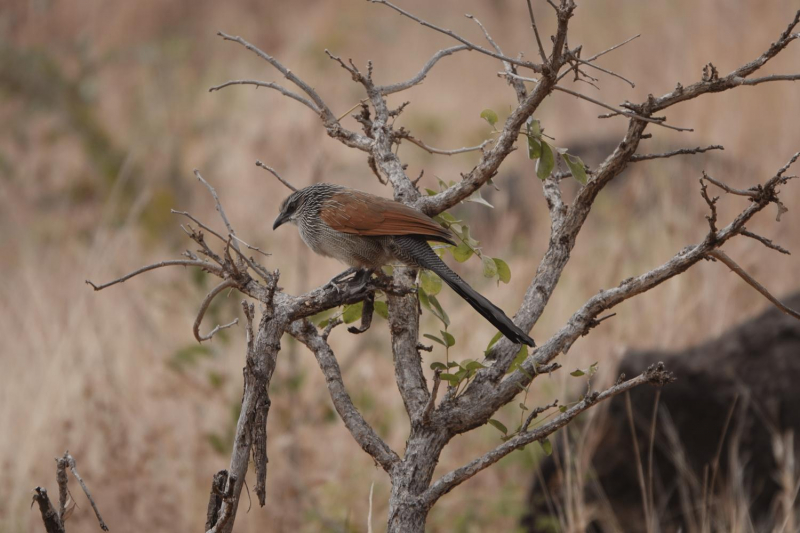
340,279
355,276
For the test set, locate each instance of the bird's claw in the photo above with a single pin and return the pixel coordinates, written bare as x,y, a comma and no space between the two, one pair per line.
341,279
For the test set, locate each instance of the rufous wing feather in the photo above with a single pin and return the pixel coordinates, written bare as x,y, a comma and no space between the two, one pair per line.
362,213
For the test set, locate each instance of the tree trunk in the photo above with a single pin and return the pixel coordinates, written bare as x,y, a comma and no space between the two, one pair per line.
407,511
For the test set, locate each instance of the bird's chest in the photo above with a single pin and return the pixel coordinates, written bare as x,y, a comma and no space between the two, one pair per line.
352,250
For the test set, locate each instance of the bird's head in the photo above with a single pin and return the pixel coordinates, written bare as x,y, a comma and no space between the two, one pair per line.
290,209
305,202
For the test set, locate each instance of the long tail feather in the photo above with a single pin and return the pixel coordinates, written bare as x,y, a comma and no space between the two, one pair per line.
422,254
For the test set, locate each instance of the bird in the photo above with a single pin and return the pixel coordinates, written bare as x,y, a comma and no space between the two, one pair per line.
366,232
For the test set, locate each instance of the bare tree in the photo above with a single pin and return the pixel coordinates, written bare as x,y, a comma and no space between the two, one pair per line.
474,395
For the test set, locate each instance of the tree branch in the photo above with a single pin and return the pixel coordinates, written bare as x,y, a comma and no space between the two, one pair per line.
527,64
52,524
439,151
332,125
416,80
67,461
601,69
518,86
205,265
262,353
491,160
766,242
437,380
730,263
270,85
683,151
773,77
482,399
542,53
361,431
655,375
563,235
734,79
727,188
275,173
228,283
607,50
622,112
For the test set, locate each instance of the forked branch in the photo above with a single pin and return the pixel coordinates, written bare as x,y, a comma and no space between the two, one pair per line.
655,375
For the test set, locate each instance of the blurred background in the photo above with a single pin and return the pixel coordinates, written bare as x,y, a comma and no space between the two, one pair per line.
105,111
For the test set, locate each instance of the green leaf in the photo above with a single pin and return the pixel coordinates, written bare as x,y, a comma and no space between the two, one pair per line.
438,366
534,139
523,406
448,218
448,339
434,338
489,267
430,192
478,199
493,342
431,283
503,271
452,379
423,299
577,167
489,116
534,148
562,408
474,365
352,312
534,128
522,354
382,309
468,238
586,371
452,364
442,315
499,425
545,164
462,252
547,446
322,318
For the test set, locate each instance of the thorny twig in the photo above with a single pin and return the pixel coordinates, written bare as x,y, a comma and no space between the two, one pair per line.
766,242
683,151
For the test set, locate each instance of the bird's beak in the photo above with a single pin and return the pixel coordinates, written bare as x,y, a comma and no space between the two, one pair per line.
282,218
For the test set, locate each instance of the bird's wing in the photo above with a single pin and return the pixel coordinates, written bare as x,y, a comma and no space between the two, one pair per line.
362,213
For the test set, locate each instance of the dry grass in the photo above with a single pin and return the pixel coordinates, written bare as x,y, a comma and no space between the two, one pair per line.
108,375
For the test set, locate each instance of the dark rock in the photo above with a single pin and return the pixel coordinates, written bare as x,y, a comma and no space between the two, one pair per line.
736,397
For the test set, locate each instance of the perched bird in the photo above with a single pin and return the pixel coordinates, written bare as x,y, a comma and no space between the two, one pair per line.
367,232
